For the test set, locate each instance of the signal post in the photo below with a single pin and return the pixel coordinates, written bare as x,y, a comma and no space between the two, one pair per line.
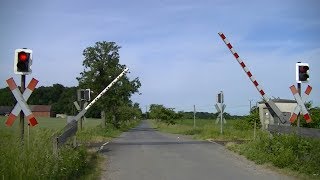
22,66
302,76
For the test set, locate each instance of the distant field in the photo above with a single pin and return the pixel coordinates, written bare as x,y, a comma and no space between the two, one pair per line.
51,123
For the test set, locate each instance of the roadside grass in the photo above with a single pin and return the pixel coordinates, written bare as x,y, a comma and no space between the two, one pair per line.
34,159
207,129
290,154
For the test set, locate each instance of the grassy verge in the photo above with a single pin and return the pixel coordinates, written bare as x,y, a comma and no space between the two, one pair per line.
34,158
290,154
207,129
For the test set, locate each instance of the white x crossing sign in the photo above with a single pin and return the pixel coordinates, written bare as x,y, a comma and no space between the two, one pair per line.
21,102
220,108
300,107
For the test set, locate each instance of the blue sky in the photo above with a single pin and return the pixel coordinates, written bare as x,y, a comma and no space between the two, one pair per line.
171,45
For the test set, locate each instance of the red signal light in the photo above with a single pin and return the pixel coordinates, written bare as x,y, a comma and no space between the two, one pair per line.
22,56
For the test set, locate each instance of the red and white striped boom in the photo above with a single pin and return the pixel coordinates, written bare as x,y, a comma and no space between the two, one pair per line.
273,106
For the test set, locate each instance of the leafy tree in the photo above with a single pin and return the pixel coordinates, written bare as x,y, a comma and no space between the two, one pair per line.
6,97
161,113
101,66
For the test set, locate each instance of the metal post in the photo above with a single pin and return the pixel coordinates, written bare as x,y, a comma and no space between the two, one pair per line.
299,91
255,123
221,118
28,135
250,106
22,88
194,116
81,119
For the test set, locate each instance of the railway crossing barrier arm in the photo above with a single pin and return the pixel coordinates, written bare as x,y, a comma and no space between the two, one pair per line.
71,128
272,105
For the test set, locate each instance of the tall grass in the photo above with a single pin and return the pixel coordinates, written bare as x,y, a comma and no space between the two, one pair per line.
284,151
34,159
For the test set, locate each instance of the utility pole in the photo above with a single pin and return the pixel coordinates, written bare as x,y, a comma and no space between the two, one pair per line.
146,112
194,116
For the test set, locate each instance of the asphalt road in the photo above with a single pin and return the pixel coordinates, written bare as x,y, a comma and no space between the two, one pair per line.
144,153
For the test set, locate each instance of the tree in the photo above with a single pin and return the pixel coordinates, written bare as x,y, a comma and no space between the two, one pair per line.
101,66
161,113
6,97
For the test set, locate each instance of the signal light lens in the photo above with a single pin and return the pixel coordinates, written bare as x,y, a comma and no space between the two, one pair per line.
22,61
22,56
303,69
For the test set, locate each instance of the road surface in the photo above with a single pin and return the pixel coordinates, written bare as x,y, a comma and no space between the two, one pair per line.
146,154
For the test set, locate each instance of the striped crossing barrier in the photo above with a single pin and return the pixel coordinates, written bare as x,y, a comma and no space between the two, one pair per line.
273,106
21,102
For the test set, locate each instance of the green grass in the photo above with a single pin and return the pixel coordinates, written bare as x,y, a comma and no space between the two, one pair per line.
290,152
207,129
34,159
48,122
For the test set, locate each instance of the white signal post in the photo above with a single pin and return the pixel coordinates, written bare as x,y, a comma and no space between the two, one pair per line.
22,65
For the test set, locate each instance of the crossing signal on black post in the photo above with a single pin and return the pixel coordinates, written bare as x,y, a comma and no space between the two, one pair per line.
22,61
302,72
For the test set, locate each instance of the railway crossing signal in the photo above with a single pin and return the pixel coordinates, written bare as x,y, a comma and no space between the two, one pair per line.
22,61
302,72
220,109
71,128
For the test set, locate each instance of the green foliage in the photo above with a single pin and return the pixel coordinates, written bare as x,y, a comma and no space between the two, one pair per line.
242,124
315,116
252,119
163,114
6,97
247,122
285,151
101,67
202,115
